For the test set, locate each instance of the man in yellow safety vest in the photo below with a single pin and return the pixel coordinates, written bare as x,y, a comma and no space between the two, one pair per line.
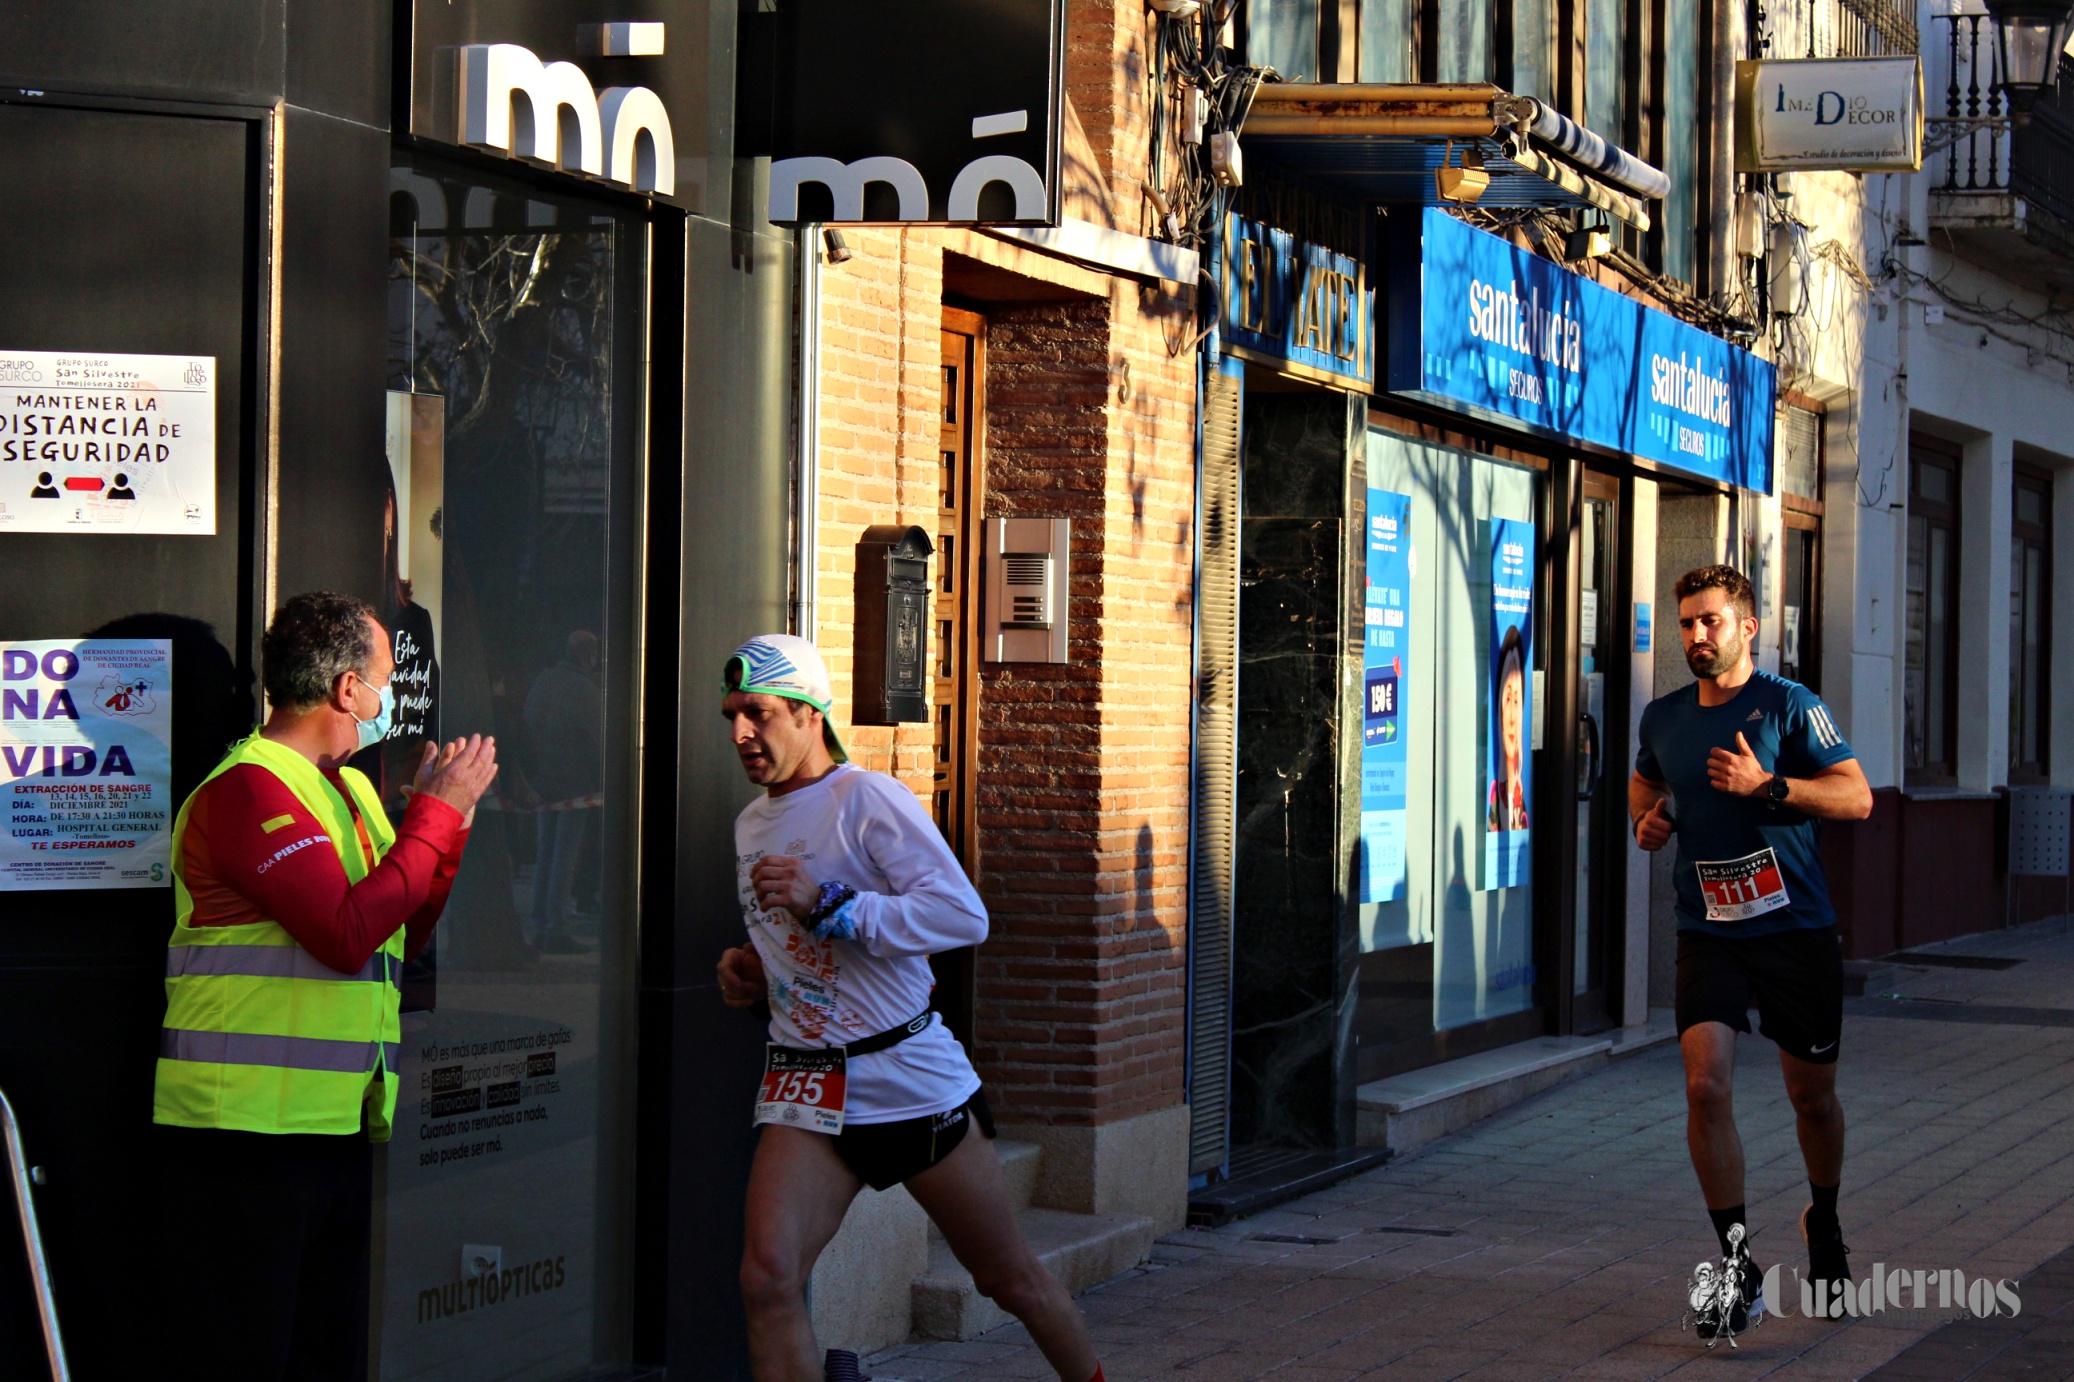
296,904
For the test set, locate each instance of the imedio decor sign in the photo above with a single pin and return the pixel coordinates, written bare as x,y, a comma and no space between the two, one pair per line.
1854,114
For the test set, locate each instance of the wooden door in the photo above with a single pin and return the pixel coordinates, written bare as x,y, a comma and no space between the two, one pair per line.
954,681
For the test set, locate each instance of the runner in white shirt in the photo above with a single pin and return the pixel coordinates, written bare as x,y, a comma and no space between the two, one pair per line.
847,888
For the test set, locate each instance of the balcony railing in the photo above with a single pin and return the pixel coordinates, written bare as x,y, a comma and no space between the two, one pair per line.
1875,29
2034,160
1844,29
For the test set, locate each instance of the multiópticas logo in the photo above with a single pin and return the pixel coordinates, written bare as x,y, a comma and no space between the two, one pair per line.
1897,1289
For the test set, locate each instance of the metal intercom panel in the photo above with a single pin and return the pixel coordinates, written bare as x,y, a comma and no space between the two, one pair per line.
2038,830
1029,572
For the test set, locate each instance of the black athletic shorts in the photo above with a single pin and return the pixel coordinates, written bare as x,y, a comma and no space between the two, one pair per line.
1795,980
885,1154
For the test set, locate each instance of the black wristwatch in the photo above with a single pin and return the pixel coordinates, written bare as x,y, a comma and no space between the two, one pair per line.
1775,791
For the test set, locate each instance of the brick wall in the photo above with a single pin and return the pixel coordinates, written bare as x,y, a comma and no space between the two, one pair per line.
880,314
1083,768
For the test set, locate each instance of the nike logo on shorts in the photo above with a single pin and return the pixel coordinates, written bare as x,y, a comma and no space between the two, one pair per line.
1818,1050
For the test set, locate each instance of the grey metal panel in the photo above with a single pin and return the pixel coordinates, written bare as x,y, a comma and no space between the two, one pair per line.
1216,777
2038,830
190,50
338,57
735,579
333,362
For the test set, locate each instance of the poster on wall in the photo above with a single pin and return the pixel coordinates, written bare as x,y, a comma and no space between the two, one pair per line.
1507,696
1386,645
86,756
413,564
412,596
93,443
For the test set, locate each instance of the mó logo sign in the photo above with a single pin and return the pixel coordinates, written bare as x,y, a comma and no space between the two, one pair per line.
846,181
548,113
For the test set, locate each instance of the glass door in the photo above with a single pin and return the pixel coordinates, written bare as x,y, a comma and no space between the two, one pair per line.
1596,926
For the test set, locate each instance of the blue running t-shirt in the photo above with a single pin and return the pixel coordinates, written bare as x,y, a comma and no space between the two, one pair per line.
1744,867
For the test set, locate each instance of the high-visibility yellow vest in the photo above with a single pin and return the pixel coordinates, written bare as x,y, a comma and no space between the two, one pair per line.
260,1036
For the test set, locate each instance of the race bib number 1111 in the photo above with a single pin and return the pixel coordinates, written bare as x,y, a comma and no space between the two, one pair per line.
1738,889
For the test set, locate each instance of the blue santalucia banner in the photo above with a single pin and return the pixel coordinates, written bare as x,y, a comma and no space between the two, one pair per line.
1477,321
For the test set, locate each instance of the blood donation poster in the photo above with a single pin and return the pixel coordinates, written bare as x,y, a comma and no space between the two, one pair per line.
93,443
1386,645
1507,694
86,763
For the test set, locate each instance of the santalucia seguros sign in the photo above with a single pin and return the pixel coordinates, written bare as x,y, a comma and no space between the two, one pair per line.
1478,324
1852,114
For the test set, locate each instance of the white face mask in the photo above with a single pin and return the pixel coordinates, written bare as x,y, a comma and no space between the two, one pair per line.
372,732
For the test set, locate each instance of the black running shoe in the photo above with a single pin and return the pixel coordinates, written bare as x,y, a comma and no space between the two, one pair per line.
1826,1261
1744,1308
1727,1295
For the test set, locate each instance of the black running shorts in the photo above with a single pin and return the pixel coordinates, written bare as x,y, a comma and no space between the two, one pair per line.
1795,980
885,1154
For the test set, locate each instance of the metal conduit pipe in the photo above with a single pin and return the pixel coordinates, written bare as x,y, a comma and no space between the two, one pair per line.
1414,126
32,1239
1609,161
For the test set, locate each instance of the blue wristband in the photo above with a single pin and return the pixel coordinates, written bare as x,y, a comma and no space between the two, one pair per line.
830,919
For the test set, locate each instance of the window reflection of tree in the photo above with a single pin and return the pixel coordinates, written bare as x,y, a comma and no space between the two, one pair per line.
515,331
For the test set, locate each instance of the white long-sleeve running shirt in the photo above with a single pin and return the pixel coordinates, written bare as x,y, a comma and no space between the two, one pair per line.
913,901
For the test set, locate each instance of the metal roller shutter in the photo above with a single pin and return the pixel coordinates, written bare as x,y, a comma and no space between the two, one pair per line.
1216,772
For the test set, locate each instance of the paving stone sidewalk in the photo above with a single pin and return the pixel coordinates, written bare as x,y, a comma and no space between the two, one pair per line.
1555,1239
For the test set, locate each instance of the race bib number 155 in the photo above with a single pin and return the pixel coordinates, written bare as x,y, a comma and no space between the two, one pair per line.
803,1089
1738,889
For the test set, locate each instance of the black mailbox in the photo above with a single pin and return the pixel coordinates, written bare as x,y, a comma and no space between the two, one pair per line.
893,598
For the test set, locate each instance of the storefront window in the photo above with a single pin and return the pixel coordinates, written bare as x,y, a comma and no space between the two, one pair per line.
1605,62
1929,694
515,370
1471,647
1387,52
2030,622
1283,34
1800,497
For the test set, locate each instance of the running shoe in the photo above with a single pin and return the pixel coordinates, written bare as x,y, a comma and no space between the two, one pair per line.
1726,1296
1733,1313
1826,1261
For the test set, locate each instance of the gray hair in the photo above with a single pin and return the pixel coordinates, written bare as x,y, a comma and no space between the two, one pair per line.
314,639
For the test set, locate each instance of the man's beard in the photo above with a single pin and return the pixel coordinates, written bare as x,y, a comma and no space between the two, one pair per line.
1713,660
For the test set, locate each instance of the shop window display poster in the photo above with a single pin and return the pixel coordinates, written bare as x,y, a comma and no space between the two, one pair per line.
413,594
1386,645
86,763
1507,694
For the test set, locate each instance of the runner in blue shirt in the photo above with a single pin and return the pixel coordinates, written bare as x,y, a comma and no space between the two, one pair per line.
1741,766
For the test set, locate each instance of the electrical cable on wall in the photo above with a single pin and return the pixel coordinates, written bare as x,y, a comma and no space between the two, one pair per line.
1197,95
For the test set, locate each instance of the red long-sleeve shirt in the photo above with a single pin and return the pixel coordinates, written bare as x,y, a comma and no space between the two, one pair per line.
253,852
